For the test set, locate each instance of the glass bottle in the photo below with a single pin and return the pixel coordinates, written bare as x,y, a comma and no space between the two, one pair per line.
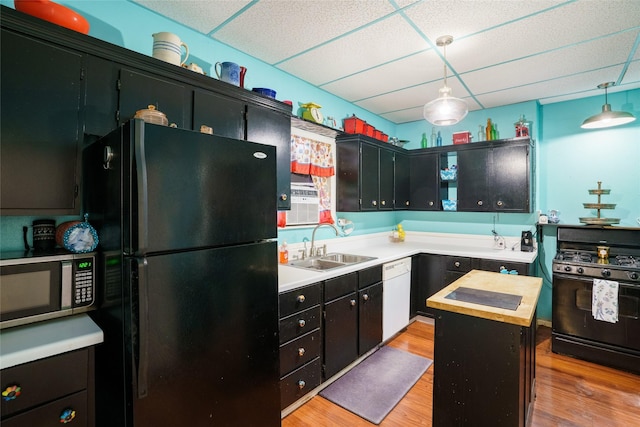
481,133
488,130
433,137
439,140
425,142
494,132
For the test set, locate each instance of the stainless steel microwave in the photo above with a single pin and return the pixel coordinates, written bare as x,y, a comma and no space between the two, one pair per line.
37,288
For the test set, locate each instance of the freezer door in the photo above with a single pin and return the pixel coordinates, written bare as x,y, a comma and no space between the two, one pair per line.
207,340
191,190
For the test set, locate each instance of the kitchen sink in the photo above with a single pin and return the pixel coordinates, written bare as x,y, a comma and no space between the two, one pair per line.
329,261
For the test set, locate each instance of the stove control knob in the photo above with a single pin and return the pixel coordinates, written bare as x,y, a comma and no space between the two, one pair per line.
605,273
634,276
580,270
567,268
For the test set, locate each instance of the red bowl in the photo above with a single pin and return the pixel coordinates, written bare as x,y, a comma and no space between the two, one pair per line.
53,12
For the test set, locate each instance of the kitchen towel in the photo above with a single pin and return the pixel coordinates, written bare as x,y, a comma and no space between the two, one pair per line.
604,304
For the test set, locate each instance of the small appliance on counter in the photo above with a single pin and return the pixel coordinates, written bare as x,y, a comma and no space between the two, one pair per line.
526,241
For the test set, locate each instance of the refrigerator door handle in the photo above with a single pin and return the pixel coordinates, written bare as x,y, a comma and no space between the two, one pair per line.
143,329
143,196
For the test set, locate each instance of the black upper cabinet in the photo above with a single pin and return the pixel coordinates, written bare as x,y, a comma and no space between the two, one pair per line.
222,113
495,177
273,128
424,182
367,174
42,91
138,90
401,186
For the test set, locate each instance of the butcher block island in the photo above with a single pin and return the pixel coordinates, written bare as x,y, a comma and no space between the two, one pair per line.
484,355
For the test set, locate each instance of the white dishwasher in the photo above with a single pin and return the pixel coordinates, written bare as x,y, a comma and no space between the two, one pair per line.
396,296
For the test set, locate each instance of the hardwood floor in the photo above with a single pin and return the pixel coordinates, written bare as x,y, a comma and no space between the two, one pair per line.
570,392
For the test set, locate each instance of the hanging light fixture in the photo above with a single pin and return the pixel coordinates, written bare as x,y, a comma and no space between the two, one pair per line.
607,118
445,110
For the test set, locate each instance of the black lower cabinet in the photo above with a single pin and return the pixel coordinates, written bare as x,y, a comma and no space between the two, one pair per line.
369,318
484,371
340,333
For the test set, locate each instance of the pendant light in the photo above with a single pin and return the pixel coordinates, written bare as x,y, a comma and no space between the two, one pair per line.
445,110
607,118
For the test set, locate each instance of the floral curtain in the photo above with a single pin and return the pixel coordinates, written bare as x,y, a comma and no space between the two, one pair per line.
314,158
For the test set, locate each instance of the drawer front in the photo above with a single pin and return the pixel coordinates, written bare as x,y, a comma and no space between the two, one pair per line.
339,286
495,266
298,352
45,380
369,276
300,299
300,382
50,415
453,263
300,323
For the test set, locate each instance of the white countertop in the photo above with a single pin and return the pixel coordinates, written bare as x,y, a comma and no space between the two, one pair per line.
379,246
27,343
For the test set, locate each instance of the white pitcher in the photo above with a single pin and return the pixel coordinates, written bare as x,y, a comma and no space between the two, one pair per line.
168,48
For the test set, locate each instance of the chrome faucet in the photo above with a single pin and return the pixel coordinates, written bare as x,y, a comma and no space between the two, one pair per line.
313,236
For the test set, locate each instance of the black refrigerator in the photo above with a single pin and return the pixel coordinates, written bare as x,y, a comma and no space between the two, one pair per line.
189,295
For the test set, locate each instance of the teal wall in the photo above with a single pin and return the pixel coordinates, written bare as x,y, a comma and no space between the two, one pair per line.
569,160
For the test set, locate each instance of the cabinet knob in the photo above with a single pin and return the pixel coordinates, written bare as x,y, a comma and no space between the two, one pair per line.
301,323
301,351
374,202
283,197
480,203
365,297
301,384
383,203
500,203
67,416
457,264
11,392
353,303
406,203
300,298
431,203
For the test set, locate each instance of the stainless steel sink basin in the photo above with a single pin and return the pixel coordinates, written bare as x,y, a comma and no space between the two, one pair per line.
329,261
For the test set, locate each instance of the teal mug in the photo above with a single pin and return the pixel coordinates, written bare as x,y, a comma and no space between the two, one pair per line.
228,72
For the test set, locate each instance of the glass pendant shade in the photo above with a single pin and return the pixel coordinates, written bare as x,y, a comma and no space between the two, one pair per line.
607,118
445,110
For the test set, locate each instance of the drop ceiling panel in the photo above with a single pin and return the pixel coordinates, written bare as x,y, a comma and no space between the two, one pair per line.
379,43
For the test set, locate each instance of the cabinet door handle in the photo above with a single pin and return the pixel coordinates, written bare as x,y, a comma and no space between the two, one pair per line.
300,298
365,297
283,197
431,203
301,351
406,203
301,384
353,303
500,203
382,202
11,392
301,323
457,264
374,202
480,203
67,415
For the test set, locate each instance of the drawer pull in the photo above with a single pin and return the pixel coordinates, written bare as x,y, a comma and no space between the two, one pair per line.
353,303
480,203
365,297
301,323
11,393
457,264
67,416
301,351
300,298
301,384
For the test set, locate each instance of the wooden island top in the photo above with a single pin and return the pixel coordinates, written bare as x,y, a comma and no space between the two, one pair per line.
525,286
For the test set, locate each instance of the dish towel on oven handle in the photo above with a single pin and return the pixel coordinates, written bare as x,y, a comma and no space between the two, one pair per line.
604,304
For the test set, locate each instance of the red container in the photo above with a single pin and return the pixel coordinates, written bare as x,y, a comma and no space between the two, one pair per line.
378,134
353,125
369,130
461,137
385,137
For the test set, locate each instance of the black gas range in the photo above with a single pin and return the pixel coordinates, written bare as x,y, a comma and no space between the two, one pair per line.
586,254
